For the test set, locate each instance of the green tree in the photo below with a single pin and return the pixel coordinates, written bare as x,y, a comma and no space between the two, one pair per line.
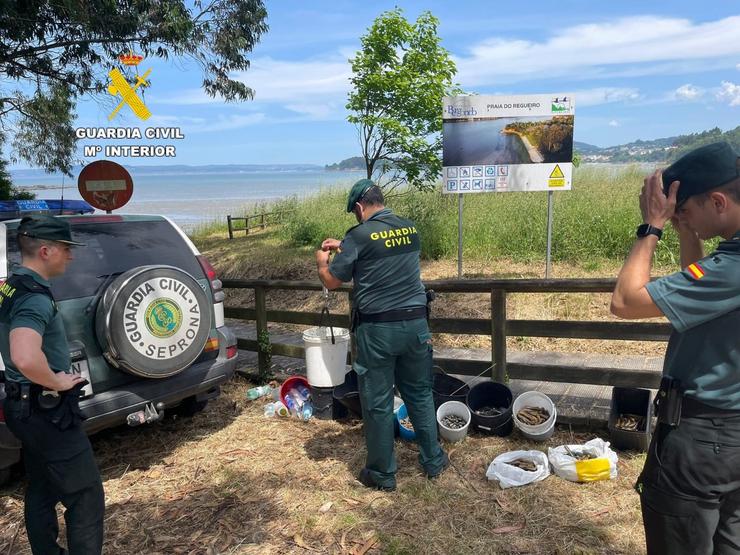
7,191
400,76
51,53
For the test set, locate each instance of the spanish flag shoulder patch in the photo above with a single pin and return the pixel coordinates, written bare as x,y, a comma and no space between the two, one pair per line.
696,271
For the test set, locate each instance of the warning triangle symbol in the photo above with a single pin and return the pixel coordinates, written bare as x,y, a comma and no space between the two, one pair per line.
557,172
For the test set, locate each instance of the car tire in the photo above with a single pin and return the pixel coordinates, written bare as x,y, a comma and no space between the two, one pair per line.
153,321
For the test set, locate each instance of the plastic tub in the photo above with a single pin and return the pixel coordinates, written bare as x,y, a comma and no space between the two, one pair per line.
631,400
540,432
491,394
323,402
458,409
448,388
289,384
326,362
404,432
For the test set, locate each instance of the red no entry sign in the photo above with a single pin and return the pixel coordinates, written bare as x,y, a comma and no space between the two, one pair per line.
105,185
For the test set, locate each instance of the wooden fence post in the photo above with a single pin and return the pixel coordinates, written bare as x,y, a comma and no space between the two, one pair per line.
246,225
498,335
262,220
231,230
260,307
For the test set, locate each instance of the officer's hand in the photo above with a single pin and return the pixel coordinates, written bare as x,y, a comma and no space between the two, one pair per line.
655,207
330,245
65,382
322,258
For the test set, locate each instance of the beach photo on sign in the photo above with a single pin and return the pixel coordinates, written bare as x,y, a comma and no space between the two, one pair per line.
519,140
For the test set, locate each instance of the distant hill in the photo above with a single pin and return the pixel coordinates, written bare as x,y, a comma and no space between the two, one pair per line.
658,150
348,164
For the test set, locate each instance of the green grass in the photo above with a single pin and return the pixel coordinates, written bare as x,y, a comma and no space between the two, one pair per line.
592,223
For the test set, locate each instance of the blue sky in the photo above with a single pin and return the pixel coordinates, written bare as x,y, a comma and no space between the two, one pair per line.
639,70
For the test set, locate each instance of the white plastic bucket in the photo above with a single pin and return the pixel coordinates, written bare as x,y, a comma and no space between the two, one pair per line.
326,363
458,409
540,432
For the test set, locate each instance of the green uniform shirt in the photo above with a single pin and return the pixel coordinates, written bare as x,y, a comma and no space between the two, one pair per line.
38,312
703,304
381,256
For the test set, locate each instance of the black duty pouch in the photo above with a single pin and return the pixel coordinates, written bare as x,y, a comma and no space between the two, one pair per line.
67,412
668,401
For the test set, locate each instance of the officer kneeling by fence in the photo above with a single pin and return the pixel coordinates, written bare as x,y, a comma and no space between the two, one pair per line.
394,347
690,485
42,403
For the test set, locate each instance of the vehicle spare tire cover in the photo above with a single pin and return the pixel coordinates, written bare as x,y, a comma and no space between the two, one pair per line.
153,321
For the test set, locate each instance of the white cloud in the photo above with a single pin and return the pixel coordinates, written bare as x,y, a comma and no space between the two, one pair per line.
600,49
190,125
729,92
605,95
613,123
688,92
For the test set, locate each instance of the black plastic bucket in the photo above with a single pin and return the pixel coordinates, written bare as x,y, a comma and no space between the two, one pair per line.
323,402
446,388
348,394
498,396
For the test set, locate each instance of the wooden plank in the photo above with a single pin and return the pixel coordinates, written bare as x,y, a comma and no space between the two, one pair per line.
556,373
228,223
279,349
261,324
498,335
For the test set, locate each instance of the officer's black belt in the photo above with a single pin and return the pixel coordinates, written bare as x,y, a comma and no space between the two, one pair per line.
696,409
14,390
397,315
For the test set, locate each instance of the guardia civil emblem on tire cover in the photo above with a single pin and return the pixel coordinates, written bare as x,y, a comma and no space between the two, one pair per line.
153,321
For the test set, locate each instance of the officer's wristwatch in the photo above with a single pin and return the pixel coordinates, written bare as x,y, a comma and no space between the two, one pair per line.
646,229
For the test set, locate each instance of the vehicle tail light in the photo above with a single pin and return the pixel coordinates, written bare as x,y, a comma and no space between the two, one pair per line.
215,283
2,413
211,344
232,351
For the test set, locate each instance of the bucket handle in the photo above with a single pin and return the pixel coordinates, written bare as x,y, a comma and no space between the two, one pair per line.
465,384
325,312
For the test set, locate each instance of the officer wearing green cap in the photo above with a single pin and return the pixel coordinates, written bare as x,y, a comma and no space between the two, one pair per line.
690,485
394,346
41,407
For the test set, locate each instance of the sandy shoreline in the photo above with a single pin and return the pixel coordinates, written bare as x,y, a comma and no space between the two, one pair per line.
534,154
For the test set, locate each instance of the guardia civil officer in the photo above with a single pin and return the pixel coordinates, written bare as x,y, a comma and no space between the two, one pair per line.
394,347
41,407
690,485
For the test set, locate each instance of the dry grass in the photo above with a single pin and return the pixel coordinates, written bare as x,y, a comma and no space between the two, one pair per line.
231,481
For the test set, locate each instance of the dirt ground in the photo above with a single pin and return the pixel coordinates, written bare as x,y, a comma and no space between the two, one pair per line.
231,481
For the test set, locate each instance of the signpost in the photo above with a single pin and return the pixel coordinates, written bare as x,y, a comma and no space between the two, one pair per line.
495,144
105,185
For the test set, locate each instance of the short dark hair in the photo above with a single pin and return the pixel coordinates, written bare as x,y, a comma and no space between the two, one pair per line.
29,246
373,196
731,189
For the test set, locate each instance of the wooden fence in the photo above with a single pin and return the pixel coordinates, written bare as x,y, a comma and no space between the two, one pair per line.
262,221
499,327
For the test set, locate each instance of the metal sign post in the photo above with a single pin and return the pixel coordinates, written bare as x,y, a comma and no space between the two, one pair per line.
549,233
459,235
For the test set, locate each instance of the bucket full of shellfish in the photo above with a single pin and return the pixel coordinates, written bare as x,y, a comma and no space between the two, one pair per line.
534,415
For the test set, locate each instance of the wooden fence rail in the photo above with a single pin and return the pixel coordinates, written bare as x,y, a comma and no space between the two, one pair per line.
552,367
263,221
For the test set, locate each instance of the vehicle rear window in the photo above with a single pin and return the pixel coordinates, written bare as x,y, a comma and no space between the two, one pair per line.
113,248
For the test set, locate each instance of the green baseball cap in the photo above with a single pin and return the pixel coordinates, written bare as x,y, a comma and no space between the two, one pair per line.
49,228
358,191
702,170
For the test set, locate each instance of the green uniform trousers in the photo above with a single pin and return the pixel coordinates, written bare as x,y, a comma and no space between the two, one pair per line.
388,354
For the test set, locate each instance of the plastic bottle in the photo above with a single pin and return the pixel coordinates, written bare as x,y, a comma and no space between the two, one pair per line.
270,410
306,411
275,393
281,409
257,392
292,405
293,392
304,391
